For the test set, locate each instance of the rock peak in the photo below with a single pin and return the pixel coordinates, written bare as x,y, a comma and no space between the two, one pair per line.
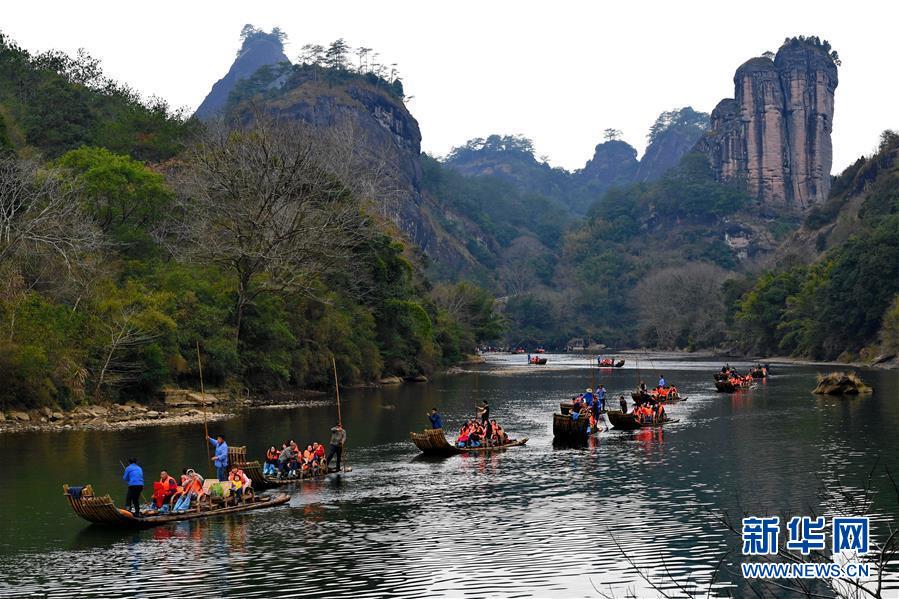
774,134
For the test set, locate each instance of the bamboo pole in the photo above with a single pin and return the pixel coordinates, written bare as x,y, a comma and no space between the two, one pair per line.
337,391
339,419
203,402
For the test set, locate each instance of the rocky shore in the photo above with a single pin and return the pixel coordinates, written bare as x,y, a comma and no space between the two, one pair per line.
175,406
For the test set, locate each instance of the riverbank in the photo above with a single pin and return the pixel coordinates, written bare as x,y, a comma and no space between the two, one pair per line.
106,417
174,407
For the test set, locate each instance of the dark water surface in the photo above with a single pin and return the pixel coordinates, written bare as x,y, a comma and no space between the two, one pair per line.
533,521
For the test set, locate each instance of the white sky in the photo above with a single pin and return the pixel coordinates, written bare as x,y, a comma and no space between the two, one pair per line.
559,72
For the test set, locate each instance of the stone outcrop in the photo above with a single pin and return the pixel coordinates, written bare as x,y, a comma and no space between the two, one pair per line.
258,50
614,163
774,134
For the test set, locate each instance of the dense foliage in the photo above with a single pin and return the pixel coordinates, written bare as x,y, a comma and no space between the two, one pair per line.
845,302
106,291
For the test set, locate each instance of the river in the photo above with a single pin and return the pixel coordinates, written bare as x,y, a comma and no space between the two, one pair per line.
532,521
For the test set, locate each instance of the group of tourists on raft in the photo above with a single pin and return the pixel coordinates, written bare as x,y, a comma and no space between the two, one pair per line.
171,495
481,431
727,374
292,462
590,404
662,392
178,496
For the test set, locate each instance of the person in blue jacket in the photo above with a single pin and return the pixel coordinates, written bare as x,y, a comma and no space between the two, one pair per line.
662,381
436,420
220,461
134,478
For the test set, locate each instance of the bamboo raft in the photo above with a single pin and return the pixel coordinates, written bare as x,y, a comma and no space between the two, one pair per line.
628,422
609,363
102,510
434,442
238,457
644,397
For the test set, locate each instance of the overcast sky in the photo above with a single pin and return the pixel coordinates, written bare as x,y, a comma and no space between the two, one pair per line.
558,72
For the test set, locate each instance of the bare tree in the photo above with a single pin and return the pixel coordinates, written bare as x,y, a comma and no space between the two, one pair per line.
116,367
261,202
681,304
40,213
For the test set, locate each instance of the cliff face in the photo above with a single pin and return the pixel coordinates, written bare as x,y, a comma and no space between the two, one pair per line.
667,148
257,51
383,129
775,133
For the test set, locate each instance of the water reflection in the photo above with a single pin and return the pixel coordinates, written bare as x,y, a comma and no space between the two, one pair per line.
541,520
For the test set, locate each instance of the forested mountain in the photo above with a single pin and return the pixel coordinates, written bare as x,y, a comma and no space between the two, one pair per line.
833,290
132,233
299,220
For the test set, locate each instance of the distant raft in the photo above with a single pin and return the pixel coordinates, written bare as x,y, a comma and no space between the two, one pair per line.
434,442
538,361
102,510
609,363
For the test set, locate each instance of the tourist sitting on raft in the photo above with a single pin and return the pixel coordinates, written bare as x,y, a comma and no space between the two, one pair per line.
171,496
476,433
240,482
650,413
292,462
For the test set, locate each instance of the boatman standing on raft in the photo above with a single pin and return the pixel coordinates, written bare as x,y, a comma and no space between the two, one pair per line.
220,461
436,420
134,478
338,438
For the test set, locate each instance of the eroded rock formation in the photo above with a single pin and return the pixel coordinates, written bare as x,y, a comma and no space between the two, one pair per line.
775,133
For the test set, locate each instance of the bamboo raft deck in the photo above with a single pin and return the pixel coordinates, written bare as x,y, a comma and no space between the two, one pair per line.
434,442
628,422
102,509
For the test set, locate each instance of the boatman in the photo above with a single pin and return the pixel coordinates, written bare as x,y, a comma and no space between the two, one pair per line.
436,420
220,461
338,438
662,384
601,398
134,478
623,403
484,412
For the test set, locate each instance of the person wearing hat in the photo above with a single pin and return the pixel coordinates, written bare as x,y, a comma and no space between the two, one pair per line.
588,398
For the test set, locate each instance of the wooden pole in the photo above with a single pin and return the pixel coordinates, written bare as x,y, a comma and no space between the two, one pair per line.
339,419
203,402
337,391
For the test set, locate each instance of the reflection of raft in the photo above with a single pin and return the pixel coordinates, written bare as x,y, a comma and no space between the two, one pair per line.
731,385
433,442
102,510
628,422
